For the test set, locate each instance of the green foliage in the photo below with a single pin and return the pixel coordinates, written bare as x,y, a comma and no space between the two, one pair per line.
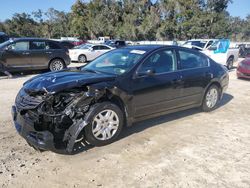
133,20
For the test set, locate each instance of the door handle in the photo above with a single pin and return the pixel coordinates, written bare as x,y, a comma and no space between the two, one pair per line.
26,53
177,80
209,75
48,52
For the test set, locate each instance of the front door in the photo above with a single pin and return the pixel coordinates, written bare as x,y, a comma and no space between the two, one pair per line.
156,87
17,55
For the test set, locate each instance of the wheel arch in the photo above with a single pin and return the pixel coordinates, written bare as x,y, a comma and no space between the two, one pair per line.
54,58
230,57
117,101
215,82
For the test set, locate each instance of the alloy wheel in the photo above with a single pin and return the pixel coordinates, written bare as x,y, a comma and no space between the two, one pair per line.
57,65
212,97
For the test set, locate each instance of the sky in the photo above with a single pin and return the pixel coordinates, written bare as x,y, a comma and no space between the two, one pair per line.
8,8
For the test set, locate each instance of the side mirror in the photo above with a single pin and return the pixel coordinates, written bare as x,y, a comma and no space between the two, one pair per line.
7,48
148,72
91,49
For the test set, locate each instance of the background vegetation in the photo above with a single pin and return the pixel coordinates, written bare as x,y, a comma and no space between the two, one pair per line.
133,20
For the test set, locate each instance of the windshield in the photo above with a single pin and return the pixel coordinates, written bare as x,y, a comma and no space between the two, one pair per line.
115,62
84,46
3,38
4,44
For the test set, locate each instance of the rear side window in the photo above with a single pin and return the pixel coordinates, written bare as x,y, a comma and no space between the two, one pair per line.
37,45
53,45
189,60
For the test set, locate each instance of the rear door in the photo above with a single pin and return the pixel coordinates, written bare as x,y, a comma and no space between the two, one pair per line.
196,75
38,53
17,55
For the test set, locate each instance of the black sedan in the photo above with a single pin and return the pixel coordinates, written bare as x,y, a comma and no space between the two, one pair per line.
94,102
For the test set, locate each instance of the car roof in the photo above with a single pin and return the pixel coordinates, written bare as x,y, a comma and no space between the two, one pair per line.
30,39
146,48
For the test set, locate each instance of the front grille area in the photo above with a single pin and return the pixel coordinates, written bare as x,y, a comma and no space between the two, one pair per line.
26,102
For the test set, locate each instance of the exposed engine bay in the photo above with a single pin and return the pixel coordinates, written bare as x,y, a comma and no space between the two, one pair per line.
62,114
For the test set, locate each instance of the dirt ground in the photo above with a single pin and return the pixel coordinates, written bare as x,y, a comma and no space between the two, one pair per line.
185,149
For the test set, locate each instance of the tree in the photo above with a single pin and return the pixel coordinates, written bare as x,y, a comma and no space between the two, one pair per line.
133,20
21,25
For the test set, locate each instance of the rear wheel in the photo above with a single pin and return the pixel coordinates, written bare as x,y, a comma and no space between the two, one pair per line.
56,65
230,63
82,59
106,122
211,98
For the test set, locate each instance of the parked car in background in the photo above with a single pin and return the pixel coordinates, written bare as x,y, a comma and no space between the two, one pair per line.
199,44
221,52
67,44
91,104
3,37
116,43
73,40
243,69
244,50
88,52
33,54
79,42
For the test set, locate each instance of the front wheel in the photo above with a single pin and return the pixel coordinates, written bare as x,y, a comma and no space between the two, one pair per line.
105,123
211,98
56,65
230,63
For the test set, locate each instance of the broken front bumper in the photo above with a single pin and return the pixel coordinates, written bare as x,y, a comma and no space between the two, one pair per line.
41,140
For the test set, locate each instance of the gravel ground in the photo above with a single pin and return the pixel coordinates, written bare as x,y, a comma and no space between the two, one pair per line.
185,149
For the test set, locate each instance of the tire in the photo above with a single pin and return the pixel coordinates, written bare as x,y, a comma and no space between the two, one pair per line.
211,98
56,65
103,134
230,63
82,59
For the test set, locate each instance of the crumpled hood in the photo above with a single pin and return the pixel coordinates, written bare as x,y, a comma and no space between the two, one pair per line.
54,82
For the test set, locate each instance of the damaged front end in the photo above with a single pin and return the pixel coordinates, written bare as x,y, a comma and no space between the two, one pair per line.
53,121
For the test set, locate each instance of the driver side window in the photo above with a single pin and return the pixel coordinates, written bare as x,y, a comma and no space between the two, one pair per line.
162,61
19,46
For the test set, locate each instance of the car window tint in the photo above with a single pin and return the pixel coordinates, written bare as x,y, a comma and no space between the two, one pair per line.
19,46
104,48
37,45
161,62
53,45
190,60
209,43
96,47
